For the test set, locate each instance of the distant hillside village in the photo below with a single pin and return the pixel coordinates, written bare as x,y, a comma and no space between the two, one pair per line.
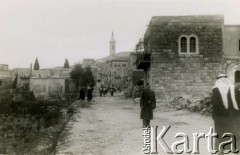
178,56
116,70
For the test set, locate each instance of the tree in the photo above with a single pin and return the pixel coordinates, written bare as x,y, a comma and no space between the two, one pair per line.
66,64
36,65
89,77
14,86
77,75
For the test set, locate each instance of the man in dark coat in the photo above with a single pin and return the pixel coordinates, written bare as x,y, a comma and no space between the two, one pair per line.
147,104
101,91
89,95
226,115
82,93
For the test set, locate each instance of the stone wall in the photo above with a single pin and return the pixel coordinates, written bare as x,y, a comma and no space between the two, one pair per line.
47,87
231,37
5,89
189,75
231,65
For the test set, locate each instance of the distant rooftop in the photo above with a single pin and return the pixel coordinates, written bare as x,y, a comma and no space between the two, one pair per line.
117,56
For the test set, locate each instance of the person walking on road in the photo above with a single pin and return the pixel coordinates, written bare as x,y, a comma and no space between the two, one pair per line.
89,93
101,91
82,93
147,104
112,90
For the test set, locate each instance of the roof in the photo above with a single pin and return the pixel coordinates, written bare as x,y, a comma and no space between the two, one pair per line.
167,20
117,57
196,18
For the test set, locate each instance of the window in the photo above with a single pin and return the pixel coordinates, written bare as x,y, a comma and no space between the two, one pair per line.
124,65
192,45
188,44
0,82
183,45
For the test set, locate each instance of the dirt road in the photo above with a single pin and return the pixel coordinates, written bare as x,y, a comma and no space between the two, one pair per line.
111,126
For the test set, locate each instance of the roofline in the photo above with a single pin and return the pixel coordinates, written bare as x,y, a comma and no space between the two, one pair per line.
232,25
189,15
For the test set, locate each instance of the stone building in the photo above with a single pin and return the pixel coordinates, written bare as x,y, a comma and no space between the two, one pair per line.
134,75
23,76
183,54
114,68
5,82
88,62
51,87
5,77
51,72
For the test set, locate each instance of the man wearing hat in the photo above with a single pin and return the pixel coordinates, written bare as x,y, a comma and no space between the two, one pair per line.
147,104
225,101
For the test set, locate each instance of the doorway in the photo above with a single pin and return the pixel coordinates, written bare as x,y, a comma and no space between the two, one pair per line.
237,76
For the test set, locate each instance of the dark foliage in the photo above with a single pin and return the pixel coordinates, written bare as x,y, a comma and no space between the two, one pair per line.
82,77
77,75
90,78
14,86
36,65
51,117
66,64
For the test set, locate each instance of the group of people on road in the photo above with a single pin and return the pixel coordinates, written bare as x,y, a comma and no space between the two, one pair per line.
83,92
103,90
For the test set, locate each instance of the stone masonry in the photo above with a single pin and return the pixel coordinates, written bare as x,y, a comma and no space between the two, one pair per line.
173,74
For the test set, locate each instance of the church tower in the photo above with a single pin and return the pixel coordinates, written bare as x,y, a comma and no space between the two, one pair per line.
112,46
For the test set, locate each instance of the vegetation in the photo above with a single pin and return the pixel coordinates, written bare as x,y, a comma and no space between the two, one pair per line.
36,65
204,105
27,125
82,77
66,64
133,92
89,77
14,86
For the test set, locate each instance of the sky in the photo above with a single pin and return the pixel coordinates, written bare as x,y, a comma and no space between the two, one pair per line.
53,30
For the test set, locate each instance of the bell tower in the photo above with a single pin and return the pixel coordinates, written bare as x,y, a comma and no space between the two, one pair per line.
112,46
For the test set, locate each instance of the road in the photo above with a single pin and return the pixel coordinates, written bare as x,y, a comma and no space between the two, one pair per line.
112,126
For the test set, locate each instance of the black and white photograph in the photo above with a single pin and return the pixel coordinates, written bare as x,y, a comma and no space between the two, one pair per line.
119,77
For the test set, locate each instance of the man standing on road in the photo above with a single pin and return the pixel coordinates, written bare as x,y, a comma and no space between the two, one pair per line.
89,95
82,93
147,104
226,114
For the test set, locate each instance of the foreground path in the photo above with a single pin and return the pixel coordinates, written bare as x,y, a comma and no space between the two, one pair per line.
111,126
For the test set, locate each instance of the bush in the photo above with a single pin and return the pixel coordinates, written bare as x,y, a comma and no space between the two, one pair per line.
71,111
203,106
133,92
51,117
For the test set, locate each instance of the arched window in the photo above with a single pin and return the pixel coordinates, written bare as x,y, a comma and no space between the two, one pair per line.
183,45
188,44
193,45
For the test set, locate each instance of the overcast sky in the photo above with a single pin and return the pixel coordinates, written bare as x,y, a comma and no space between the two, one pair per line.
53,30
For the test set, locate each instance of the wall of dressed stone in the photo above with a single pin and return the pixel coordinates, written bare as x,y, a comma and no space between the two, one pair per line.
189,75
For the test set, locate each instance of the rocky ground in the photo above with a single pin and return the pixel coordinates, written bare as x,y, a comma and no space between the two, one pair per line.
111,125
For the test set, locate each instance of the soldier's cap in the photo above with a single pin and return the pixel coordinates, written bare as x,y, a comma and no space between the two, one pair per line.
221,76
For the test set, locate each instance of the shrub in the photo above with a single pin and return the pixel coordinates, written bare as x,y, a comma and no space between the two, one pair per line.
71,111
203,106
51,117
